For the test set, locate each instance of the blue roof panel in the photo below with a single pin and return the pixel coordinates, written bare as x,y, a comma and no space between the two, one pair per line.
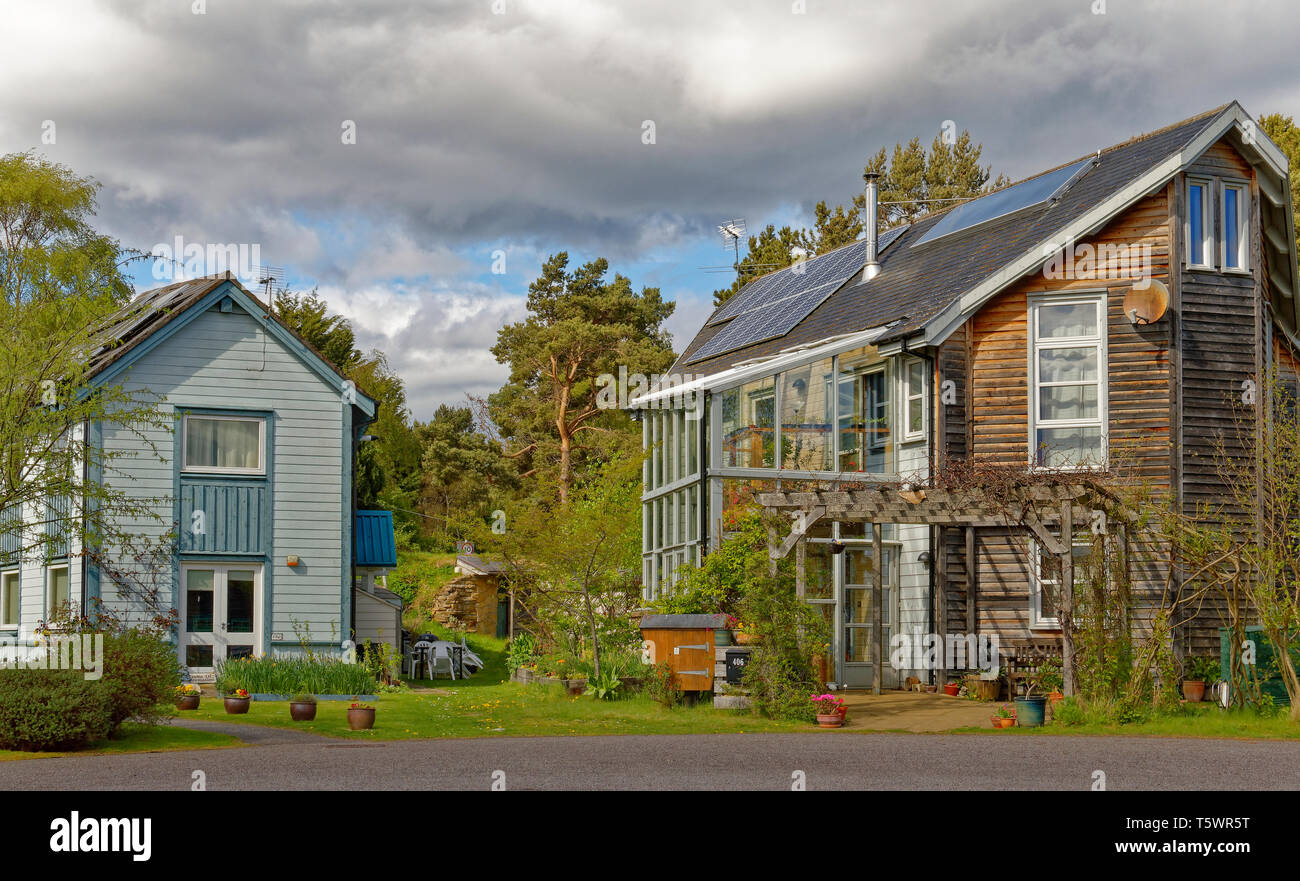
373,540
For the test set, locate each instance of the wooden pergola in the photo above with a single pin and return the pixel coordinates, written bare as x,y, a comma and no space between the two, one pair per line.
1065,506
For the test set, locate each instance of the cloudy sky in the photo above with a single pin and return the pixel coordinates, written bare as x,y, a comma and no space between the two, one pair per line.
500,132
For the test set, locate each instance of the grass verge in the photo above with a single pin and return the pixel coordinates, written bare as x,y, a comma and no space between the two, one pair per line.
138,738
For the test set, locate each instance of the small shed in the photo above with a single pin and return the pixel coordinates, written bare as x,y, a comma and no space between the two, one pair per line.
377,610
685,642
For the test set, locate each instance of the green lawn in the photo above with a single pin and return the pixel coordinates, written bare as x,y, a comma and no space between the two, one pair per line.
139,738
504,710
1197,720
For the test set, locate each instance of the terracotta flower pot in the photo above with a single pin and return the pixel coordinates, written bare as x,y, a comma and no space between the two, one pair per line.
999,722
237,706
743,637
952,689
302,711
1194,690
830,720
361,719
188,702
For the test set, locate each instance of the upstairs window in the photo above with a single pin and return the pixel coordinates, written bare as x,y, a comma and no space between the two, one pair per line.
1068,382
1200,224
1236,238
224,444
914,392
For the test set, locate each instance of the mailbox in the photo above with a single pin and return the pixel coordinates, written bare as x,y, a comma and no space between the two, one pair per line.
736,659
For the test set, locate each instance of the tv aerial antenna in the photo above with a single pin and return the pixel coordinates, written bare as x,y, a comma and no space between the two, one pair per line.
272,280
731,233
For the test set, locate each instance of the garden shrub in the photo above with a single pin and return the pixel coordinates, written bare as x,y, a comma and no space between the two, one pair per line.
790,633
141,672
660,686
52,710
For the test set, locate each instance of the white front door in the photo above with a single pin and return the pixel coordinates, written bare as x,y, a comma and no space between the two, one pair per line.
221,615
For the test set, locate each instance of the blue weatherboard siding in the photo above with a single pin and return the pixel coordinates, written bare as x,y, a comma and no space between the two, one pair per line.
375,543
234,511
237,363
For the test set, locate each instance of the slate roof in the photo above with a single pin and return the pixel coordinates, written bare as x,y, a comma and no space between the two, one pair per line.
915,284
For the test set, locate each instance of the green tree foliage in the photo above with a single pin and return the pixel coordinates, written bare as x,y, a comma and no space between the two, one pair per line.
1283,131
463,469
580,325
388,470
914,181
61,287
577,565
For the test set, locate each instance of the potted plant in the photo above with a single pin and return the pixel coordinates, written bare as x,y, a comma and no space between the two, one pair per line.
1031,709
187,697
302,707
742,634
361,717
1051,680
953,688
722,636
981,689
831,711
237,702
1005,717
1201,670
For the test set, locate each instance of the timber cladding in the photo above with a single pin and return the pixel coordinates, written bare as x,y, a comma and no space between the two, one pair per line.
1138,379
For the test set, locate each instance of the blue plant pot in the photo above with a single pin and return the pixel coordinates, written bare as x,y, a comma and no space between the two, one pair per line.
1030,711
721,637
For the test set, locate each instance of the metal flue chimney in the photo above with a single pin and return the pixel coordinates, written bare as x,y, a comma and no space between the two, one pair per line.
871,221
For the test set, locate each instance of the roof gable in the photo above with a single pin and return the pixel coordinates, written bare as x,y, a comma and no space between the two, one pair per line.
926,289
159,314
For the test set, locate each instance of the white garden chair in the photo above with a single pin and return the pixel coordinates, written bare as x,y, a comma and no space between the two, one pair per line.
441,660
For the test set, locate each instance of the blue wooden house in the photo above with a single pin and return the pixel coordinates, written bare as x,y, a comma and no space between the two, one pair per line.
255,480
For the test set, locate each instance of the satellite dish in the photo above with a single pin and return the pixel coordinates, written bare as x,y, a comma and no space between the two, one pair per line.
1147,304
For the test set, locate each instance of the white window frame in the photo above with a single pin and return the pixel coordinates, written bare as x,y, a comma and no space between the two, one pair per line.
1207,222
5,576
1242,188
909,397
1036,581
187,468
1036,344
49,599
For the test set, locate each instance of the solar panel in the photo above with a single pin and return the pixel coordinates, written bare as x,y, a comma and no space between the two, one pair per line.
771,306
1032,192
838,264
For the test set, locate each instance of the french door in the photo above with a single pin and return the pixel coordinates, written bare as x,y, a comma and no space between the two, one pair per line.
220,615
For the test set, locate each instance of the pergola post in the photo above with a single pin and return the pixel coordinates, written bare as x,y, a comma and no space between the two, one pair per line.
972,581
1065,608
800,568
941,604
877,608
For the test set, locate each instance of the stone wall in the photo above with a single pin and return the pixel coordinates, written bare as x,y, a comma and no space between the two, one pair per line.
467,602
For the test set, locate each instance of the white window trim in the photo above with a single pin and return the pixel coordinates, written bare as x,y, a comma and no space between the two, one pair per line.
1099,298
1036,619
49,572
17,575
908,397
1243,225
1207,222
187,468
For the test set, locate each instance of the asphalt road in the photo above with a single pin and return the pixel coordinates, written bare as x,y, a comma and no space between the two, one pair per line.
288,760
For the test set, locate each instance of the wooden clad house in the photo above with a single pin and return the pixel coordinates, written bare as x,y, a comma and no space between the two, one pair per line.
1105,313
253,482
